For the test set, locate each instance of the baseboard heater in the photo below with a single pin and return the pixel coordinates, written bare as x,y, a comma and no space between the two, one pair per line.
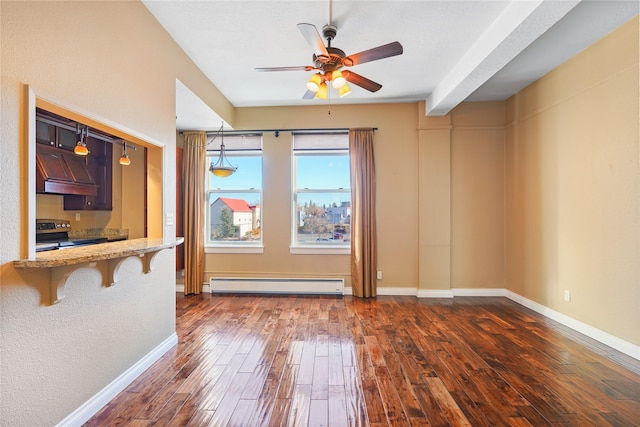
276,285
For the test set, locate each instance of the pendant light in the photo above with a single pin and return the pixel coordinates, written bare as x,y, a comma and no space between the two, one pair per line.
222,168
81,147
125,160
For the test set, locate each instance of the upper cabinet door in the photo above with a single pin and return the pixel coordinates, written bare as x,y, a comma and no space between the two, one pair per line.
51,163
66,138
45,133
78,167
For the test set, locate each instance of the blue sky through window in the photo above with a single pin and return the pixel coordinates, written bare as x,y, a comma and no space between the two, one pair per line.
248,174
314,172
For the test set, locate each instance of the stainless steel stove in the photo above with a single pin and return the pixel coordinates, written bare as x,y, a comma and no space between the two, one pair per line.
53,234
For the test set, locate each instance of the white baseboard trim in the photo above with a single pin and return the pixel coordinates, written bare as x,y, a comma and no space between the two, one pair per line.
397,291
435,293
476,292
104,396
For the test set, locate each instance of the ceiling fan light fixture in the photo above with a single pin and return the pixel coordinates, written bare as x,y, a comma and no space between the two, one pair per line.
344,90
337,79
314,83
322,91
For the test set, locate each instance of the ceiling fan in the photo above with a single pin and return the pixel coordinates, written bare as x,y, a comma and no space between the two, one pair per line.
329,62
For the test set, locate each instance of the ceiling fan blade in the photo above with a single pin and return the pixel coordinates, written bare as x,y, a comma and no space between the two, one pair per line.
295,68
363,82
309,95
312,36
380,52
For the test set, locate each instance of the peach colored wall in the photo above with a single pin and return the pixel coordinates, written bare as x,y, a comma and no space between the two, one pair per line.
573,187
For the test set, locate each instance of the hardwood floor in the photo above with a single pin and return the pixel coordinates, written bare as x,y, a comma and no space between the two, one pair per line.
246,360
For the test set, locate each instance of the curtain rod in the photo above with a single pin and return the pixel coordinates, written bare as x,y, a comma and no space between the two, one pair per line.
277,131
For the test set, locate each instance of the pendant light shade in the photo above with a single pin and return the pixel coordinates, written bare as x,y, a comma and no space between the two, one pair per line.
337,80
125,160
344,90
322,91
81,147
314,83
222,168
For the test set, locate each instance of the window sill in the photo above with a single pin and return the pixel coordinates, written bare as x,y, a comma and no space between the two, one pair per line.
319,250
254,249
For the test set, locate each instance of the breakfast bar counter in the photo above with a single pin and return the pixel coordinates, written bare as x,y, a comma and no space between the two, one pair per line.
62,262
99,252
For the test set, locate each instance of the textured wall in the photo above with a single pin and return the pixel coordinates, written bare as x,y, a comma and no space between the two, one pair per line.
111,61
573,187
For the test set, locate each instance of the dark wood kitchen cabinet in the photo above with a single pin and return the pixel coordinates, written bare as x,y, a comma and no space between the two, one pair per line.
99,163
60,171
55,135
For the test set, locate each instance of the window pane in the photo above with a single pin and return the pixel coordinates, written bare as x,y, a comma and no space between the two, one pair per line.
233,217
248,175
323,218
322,171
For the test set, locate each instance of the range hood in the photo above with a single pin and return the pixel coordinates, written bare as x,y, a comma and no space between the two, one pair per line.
60,171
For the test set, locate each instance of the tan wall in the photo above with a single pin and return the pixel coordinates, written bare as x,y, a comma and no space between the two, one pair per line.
416,162
396,169
113,63
477,195
573,189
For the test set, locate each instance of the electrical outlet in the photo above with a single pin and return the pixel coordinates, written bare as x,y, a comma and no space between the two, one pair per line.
567,296
379,275
168,218
77,216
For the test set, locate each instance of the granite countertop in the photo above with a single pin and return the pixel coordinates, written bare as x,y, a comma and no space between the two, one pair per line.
103,251
111,234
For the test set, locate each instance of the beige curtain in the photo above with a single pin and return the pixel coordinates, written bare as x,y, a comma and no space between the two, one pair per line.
194,167
363,213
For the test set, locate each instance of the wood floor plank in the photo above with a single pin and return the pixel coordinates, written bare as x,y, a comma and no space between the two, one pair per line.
318,412
320,384
354,398
279,360
300,406
337,407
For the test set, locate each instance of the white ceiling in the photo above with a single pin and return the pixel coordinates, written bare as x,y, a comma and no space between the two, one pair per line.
453,50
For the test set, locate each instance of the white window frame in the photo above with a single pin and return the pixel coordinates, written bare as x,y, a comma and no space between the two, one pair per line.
314,248
254,247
